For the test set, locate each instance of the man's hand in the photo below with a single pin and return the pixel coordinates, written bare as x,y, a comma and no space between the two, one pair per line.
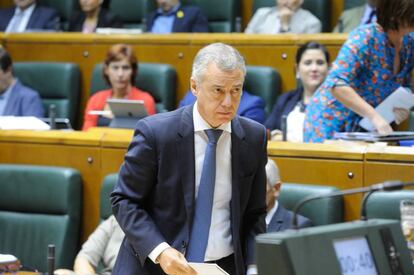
401,114
174,263
285,14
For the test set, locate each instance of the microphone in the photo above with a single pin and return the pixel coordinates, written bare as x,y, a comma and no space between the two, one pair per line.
52,116
385,186
283,127
50,259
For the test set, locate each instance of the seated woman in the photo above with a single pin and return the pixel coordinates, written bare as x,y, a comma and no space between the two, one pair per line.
92,17
119,71
311,66
101,247
286,16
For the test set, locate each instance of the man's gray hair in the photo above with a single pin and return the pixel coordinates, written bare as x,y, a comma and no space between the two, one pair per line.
224,56
272,172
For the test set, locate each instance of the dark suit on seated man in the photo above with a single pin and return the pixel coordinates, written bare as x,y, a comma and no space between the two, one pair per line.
15,98
171,16
251,106
26,15
278,218
180,200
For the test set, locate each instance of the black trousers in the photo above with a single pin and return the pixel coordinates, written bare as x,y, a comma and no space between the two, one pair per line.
226,263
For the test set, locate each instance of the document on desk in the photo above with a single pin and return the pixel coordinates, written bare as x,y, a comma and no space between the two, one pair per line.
208,269
400,98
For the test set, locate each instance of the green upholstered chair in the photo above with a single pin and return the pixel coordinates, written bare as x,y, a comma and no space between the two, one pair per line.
40,205
322,211
386,205
65,8
264,82
319,8
106,190
132,12
411,121
221,15
57,83
353,3
157,79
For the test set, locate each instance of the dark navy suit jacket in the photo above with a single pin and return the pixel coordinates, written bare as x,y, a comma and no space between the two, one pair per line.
42,18
283,218
192,21
105,20
285,103
251,106
23,101
153,200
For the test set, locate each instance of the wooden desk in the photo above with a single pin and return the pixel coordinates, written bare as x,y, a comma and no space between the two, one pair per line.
100,151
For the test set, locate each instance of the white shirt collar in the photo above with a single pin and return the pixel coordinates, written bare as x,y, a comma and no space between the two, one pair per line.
271,212
200,124
28,11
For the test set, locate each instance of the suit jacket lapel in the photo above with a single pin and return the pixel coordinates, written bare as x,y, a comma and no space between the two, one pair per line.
33,18
185,155
11,108
178,25
277,220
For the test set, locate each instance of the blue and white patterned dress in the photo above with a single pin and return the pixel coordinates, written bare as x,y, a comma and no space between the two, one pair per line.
365,63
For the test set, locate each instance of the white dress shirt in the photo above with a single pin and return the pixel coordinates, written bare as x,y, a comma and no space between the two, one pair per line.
271,212
220,239
20,17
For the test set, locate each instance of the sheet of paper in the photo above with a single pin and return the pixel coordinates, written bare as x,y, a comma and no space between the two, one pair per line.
22,123
401,98
208,269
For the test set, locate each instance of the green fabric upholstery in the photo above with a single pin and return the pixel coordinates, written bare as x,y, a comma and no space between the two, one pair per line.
221,15
65,8
157,79
348,4
132,12
411,121
57,83
321,211
106,190
40,205
319,8
264,82
386,205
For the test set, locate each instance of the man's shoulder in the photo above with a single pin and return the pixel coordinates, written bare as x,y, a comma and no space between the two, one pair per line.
23,90
190,9
46,11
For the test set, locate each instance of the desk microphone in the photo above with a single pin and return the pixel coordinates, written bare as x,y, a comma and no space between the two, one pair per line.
50,259
385,186
52,116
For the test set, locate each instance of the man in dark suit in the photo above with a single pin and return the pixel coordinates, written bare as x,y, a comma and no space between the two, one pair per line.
26,15
278,218
15,98
168,182
171,16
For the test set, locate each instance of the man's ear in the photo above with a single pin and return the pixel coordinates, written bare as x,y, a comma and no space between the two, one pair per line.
277,187
194,87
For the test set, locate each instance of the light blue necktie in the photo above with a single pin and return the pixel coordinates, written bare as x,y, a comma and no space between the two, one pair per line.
204,202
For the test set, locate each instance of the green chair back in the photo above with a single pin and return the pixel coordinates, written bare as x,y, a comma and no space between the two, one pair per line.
157,79
386,205
57,83
319,8
106,190
221,15
411,121
265,82
348,4
322,211
40,205
132,12
65,8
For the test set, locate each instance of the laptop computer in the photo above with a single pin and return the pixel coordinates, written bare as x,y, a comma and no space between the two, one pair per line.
126,112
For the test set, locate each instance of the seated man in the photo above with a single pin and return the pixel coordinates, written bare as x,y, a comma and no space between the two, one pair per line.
354,17
15,98
171,16
26,15
101,247
278,218
251,106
